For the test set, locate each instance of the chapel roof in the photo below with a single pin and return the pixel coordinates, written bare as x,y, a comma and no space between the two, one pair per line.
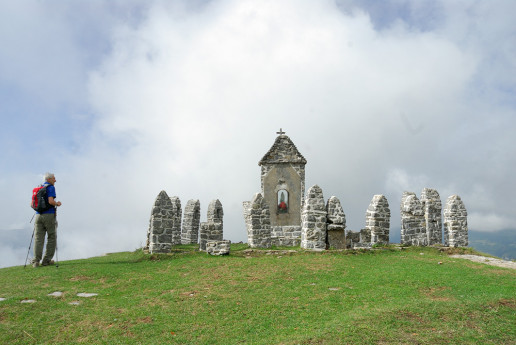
282,151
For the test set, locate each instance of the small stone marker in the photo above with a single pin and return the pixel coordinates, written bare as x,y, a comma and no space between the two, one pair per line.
56,294
218,247
28,301
74,303
333,289
2,299
87,295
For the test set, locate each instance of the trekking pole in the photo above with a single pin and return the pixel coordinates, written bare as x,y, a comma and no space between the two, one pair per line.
30,245
57,261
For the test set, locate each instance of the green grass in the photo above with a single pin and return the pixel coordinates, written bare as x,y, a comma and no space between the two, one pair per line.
386,296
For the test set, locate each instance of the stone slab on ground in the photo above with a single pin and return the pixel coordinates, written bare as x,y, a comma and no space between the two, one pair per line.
86,294
2,299
56,294
487,260
28,301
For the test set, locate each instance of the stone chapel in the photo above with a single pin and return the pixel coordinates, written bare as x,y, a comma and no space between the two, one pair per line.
282,214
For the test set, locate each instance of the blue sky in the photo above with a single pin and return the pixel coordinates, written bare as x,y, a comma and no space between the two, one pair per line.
123,99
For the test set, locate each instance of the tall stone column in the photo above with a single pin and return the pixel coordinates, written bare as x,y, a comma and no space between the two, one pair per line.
378,217
455,223
212,230
176,217
159,236
258,221
413,230
336,224
191,222
313,220
432,207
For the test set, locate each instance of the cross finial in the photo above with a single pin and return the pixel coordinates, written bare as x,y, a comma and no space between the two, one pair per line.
280,132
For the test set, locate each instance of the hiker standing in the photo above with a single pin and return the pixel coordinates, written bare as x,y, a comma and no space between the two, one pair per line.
46,223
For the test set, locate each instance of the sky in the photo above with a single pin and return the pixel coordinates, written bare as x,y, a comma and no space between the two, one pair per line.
122,99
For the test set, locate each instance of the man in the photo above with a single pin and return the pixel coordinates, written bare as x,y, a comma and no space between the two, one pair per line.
46,223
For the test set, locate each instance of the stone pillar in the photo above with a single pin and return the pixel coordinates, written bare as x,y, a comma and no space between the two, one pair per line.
191,222
336,224
455,223
432,207
413,230
176,216
159,235
378,217
212,230
313,220
215,212
258,221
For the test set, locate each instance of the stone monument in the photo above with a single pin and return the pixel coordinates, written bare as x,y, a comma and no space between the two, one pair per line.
283,188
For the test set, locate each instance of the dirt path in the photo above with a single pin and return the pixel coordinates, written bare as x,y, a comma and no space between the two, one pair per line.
488,261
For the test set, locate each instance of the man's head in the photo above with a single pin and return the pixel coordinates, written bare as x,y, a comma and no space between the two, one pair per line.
50,178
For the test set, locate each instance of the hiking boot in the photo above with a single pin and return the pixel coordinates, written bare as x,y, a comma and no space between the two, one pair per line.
35,264
51,262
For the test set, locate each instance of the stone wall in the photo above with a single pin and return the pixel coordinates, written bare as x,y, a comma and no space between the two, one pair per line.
455,223
432,208
413,228
378,217
313,220
191,222
258,222
289,235
212,230
336,224
161,225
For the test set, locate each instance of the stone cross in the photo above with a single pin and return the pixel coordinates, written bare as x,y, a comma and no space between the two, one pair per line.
280,132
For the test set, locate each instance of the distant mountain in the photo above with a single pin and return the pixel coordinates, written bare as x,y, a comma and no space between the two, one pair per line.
500,243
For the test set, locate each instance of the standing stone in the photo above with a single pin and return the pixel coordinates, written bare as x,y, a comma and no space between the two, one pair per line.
313,220
215,212
336,224
191,222
258,221
212,230
159,236
378,217
413,229
432,207
455,223
176,217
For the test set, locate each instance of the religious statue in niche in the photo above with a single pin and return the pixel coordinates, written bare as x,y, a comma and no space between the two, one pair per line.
282,201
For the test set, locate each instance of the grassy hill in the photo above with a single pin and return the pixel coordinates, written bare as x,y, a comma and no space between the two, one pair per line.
414,295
